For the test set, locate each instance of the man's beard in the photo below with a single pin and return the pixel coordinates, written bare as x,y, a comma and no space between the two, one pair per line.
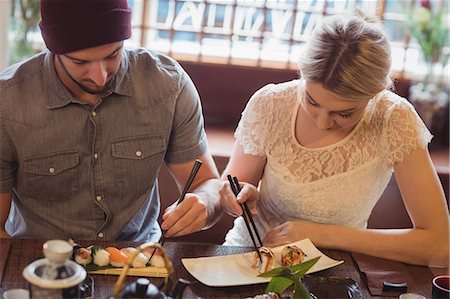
105,89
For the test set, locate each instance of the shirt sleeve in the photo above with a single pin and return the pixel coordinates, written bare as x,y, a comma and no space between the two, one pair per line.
403,132
8,164
188,138
253,128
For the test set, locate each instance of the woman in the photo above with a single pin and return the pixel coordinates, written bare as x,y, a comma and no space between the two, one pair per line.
322,150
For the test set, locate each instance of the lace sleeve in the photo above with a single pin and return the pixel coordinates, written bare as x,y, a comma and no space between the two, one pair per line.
404,131
252,129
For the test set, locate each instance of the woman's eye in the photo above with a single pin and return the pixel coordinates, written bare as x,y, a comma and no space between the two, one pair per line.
309,102
346,115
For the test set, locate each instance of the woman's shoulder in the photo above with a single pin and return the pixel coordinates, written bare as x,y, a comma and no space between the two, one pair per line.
389,104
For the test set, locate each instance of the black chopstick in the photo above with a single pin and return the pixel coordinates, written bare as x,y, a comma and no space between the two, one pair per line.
188,184
236,188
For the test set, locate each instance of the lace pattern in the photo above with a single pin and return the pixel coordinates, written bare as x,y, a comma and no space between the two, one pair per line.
339,183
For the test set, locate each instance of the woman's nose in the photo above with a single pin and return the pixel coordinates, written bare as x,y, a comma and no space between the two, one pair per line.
324,121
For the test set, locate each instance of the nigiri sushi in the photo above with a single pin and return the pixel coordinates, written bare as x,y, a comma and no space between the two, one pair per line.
267,260
116,257
292,255
139,261
157,260
100,256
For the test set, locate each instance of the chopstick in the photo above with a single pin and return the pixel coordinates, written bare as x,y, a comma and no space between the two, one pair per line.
188,184
236,188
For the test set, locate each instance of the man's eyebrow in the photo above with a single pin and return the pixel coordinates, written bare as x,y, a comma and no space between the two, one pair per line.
341,111
112,52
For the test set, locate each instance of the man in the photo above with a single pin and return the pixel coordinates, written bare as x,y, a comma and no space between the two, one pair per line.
85,128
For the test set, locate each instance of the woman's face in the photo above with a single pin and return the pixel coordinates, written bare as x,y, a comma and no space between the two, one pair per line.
328,112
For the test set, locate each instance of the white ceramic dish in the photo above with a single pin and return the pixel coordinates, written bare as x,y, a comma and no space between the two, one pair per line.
235,270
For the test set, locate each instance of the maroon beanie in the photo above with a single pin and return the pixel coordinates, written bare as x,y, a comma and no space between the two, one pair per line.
71,25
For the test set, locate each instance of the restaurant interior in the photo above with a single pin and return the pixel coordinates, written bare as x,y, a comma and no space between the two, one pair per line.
226,81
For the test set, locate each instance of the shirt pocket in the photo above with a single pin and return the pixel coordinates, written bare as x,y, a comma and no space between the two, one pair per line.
52,176
137,160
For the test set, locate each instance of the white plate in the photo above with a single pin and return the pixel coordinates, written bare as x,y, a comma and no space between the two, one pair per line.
235,270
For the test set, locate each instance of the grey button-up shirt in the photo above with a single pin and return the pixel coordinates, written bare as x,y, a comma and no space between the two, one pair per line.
86,172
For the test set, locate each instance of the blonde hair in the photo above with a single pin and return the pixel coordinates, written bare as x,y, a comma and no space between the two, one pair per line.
349,56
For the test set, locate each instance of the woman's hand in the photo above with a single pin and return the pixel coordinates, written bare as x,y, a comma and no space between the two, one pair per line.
231,204
292,231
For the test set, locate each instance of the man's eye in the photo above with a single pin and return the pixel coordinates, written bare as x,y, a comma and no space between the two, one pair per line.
79,62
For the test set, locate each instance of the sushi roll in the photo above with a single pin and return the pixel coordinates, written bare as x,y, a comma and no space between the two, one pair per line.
292,255
157,260
116,257
267,260
81,255
139,261
100,256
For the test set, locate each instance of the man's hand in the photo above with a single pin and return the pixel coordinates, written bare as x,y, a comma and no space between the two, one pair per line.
189,216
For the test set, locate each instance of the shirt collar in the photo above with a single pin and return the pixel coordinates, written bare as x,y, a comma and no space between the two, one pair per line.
59,96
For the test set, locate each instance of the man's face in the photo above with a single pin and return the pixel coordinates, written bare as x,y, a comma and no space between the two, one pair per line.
91,70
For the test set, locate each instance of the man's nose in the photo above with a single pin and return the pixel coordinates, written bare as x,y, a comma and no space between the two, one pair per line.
98,73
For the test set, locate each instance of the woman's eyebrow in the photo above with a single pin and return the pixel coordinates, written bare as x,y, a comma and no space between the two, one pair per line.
340,111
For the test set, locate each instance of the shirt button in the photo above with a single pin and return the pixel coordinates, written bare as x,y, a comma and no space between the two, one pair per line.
100,235
93,113
51,170
138,153
98,198
95,156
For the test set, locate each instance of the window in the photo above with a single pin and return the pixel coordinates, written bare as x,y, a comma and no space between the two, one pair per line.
267,33
263,32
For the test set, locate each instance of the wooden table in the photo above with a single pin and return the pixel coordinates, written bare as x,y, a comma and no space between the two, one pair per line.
23,252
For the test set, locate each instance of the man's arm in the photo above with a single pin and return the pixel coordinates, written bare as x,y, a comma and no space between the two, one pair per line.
201,207
5,205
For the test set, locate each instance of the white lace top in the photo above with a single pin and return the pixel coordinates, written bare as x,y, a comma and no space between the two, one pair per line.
338,183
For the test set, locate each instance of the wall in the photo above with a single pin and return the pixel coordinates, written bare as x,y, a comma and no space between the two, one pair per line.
225,89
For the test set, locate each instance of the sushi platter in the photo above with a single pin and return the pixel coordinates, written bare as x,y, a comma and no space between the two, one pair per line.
143,272
111,260
237,269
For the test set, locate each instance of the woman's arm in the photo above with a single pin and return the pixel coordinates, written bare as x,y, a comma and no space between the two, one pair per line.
427,243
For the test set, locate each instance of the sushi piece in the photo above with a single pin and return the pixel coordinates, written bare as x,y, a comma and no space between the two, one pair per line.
100,256
292,255
81,255
116,257
267,260
139,261
157,259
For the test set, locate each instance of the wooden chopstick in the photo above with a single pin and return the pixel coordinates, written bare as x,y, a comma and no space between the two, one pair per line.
188,184
246,215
